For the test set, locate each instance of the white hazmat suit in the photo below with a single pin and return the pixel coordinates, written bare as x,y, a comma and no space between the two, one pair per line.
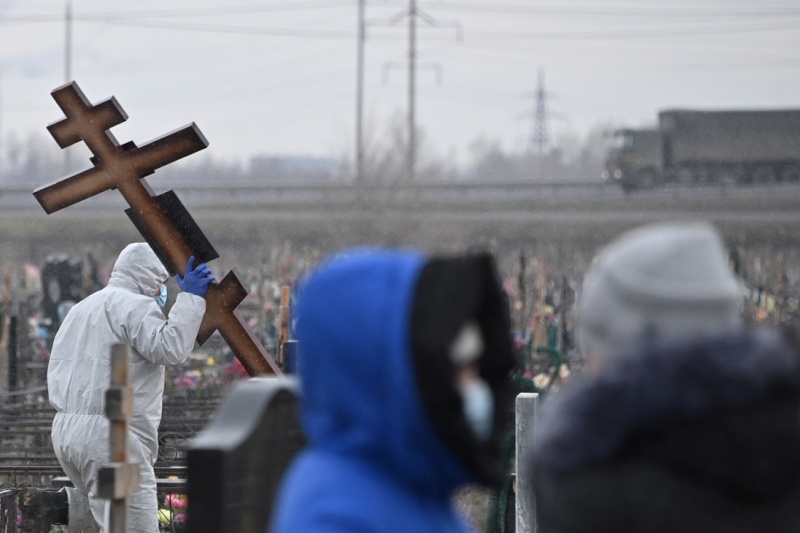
78,375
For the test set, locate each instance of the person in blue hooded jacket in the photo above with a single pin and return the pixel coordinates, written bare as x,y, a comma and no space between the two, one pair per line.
404,366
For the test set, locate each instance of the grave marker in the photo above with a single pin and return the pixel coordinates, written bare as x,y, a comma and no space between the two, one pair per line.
118,479
525,416
235,466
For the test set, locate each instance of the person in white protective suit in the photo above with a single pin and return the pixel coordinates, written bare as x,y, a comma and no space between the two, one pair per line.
127,310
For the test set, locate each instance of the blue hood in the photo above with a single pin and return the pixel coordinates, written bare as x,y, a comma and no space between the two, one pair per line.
361,398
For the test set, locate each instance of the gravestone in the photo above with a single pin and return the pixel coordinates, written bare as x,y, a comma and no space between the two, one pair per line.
118,479
236,464
526,406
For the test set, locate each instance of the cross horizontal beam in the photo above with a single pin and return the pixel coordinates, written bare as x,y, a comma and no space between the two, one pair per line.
89,123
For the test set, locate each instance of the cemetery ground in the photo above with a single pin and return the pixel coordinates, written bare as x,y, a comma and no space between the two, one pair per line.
541,274
193,393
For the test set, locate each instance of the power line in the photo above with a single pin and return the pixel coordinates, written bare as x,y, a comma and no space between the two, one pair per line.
238,30
485,36
625,12
192,12
505,8
644,33
296,6
496,36
656,57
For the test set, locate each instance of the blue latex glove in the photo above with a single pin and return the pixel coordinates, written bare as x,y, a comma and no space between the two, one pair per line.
197,279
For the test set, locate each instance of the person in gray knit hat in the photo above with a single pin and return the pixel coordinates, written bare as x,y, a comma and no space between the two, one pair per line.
694,435
658,281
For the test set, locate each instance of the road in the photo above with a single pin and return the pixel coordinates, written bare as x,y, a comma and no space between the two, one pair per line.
440,216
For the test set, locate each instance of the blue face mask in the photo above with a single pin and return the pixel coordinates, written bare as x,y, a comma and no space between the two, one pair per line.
161,298
478,408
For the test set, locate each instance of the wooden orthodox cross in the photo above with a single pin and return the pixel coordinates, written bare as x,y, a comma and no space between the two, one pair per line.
119,479
123,167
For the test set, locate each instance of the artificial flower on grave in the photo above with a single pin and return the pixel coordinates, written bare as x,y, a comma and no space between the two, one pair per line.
175,501
204,382
188,380
172,514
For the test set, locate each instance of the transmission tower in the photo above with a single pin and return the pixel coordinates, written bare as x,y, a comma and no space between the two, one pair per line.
67,66
412,64
360,95
541,136
2,145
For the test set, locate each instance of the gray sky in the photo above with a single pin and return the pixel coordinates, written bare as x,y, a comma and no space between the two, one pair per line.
278,77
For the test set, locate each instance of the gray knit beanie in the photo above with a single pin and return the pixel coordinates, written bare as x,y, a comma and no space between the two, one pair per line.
657,281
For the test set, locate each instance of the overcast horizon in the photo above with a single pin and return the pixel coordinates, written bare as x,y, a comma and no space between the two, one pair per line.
279,77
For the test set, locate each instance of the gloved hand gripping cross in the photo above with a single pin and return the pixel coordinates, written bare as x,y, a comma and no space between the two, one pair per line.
197,279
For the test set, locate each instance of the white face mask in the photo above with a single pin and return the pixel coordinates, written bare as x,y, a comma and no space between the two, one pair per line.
476,395
478,407
468,344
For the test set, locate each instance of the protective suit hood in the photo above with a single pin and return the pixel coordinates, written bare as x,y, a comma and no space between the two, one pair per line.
139,269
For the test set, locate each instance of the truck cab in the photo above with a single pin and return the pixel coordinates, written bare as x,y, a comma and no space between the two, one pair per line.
634,159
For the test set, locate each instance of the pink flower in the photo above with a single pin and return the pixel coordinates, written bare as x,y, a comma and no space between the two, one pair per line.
174,501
